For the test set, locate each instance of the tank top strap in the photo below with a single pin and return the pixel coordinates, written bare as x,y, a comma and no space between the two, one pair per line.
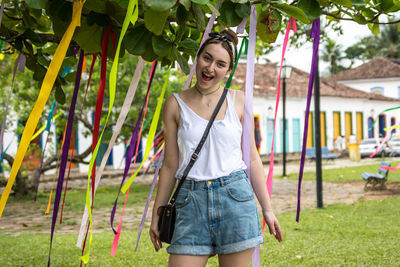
231,108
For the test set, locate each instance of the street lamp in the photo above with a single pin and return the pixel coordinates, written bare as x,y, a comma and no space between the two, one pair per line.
285,74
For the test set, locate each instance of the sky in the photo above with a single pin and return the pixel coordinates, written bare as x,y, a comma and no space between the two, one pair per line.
301,58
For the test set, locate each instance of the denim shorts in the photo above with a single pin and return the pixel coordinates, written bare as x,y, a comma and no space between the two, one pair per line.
217,216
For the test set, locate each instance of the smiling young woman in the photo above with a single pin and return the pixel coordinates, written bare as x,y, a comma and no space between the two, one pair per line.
216,211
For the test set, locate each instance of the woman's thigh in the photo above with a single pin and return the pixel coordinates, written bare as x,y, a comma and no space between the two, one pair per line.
238,259
178,260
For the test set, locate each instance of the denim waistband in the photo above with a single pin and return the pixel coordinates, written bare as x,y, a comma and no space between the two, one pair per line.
217,182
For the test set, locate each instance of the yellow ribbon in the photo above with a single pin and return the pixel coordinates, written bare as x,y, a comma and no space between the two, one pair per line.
131,17
152,133
44,93
44,126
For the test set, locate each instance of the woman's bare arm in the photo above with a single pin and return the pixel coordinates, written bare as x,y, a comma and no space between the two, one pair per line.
169,167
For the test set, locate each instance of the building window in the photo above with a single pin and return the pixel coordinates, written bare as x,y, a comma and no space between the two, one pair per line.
377,90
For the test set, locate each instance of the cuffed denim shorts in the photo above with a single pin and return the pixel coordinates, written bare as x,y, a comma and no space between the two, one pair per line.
217,216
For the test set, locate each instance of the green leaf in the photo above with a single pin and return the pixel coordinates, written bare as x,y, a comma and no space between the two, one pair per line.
201,2
190,44
374,28
181,15
358,3
149,54
60,95
239,1
161,46
268,24
396,2
324,3
345,3
39,4
293,11
138,40
155,20
96,6
186,4
181,61
310,7
88,37
368,13
385,5
199,16
213,9
243,11
228,15
160,5
398,27
359,19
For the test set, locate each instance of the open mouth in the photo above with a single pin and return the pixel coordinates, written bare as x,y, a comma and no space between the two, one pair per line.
206,77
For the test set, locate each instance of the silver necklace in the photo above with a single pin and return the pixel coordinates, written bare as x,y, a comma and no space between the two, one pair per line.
204,94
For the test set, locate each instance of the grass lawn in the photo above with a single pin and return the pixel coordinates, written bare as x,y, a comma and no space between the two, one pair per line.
363,234
349,174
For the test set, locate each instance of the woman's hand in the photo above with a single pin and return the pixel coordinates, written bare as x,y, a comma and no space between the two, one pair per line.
155,235
273,225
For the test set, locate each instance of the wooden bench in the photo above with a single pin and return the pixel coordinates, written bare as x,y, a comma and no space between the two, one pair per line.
376,181
325,153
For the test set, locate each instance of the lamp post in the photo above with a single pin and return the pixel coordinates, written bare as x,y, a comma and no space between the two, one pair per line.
285,74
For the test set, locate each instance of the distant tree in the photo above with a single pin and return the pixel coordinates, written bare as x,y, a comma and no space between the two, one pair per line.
386,44
333,54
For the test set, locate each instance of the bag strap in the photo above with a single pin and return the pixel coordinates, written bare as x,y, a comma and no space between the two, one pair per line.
196,152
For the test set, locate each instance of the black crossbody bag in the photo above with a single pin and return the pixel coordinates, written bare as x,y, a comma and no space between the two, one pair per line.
167,213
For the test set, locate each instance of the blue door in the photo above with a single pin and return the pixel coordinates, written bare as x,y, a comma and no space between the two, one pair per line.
296,135
286,135
270,131
382,125
370,127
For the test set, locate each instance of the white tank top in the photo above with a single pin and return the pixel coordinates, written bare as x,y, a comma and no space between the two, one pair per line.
221,153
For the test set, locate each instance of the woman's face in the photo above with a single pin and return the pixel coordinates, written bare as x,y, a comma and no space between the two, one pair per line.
212,66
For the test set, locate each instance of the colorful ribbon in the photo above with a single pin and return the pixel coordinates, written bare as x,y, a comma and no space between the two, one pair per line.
291,25
120,121
44,93
150,138
131,17
100,95
315,33
153,184
134,143
65,149
248,107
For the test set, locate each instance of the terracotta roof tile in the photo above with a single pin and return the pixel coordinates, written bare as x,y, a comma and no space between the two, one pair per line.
266,78
378,67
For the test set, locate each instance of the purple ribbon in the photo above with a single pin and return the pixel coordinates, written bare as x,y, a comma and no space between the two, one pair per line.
248,107
315,33
64,157
20,64
153,184
131,149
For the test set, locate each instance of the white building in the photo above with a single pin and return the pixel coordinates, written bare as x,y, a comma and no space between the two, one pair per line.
344,111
